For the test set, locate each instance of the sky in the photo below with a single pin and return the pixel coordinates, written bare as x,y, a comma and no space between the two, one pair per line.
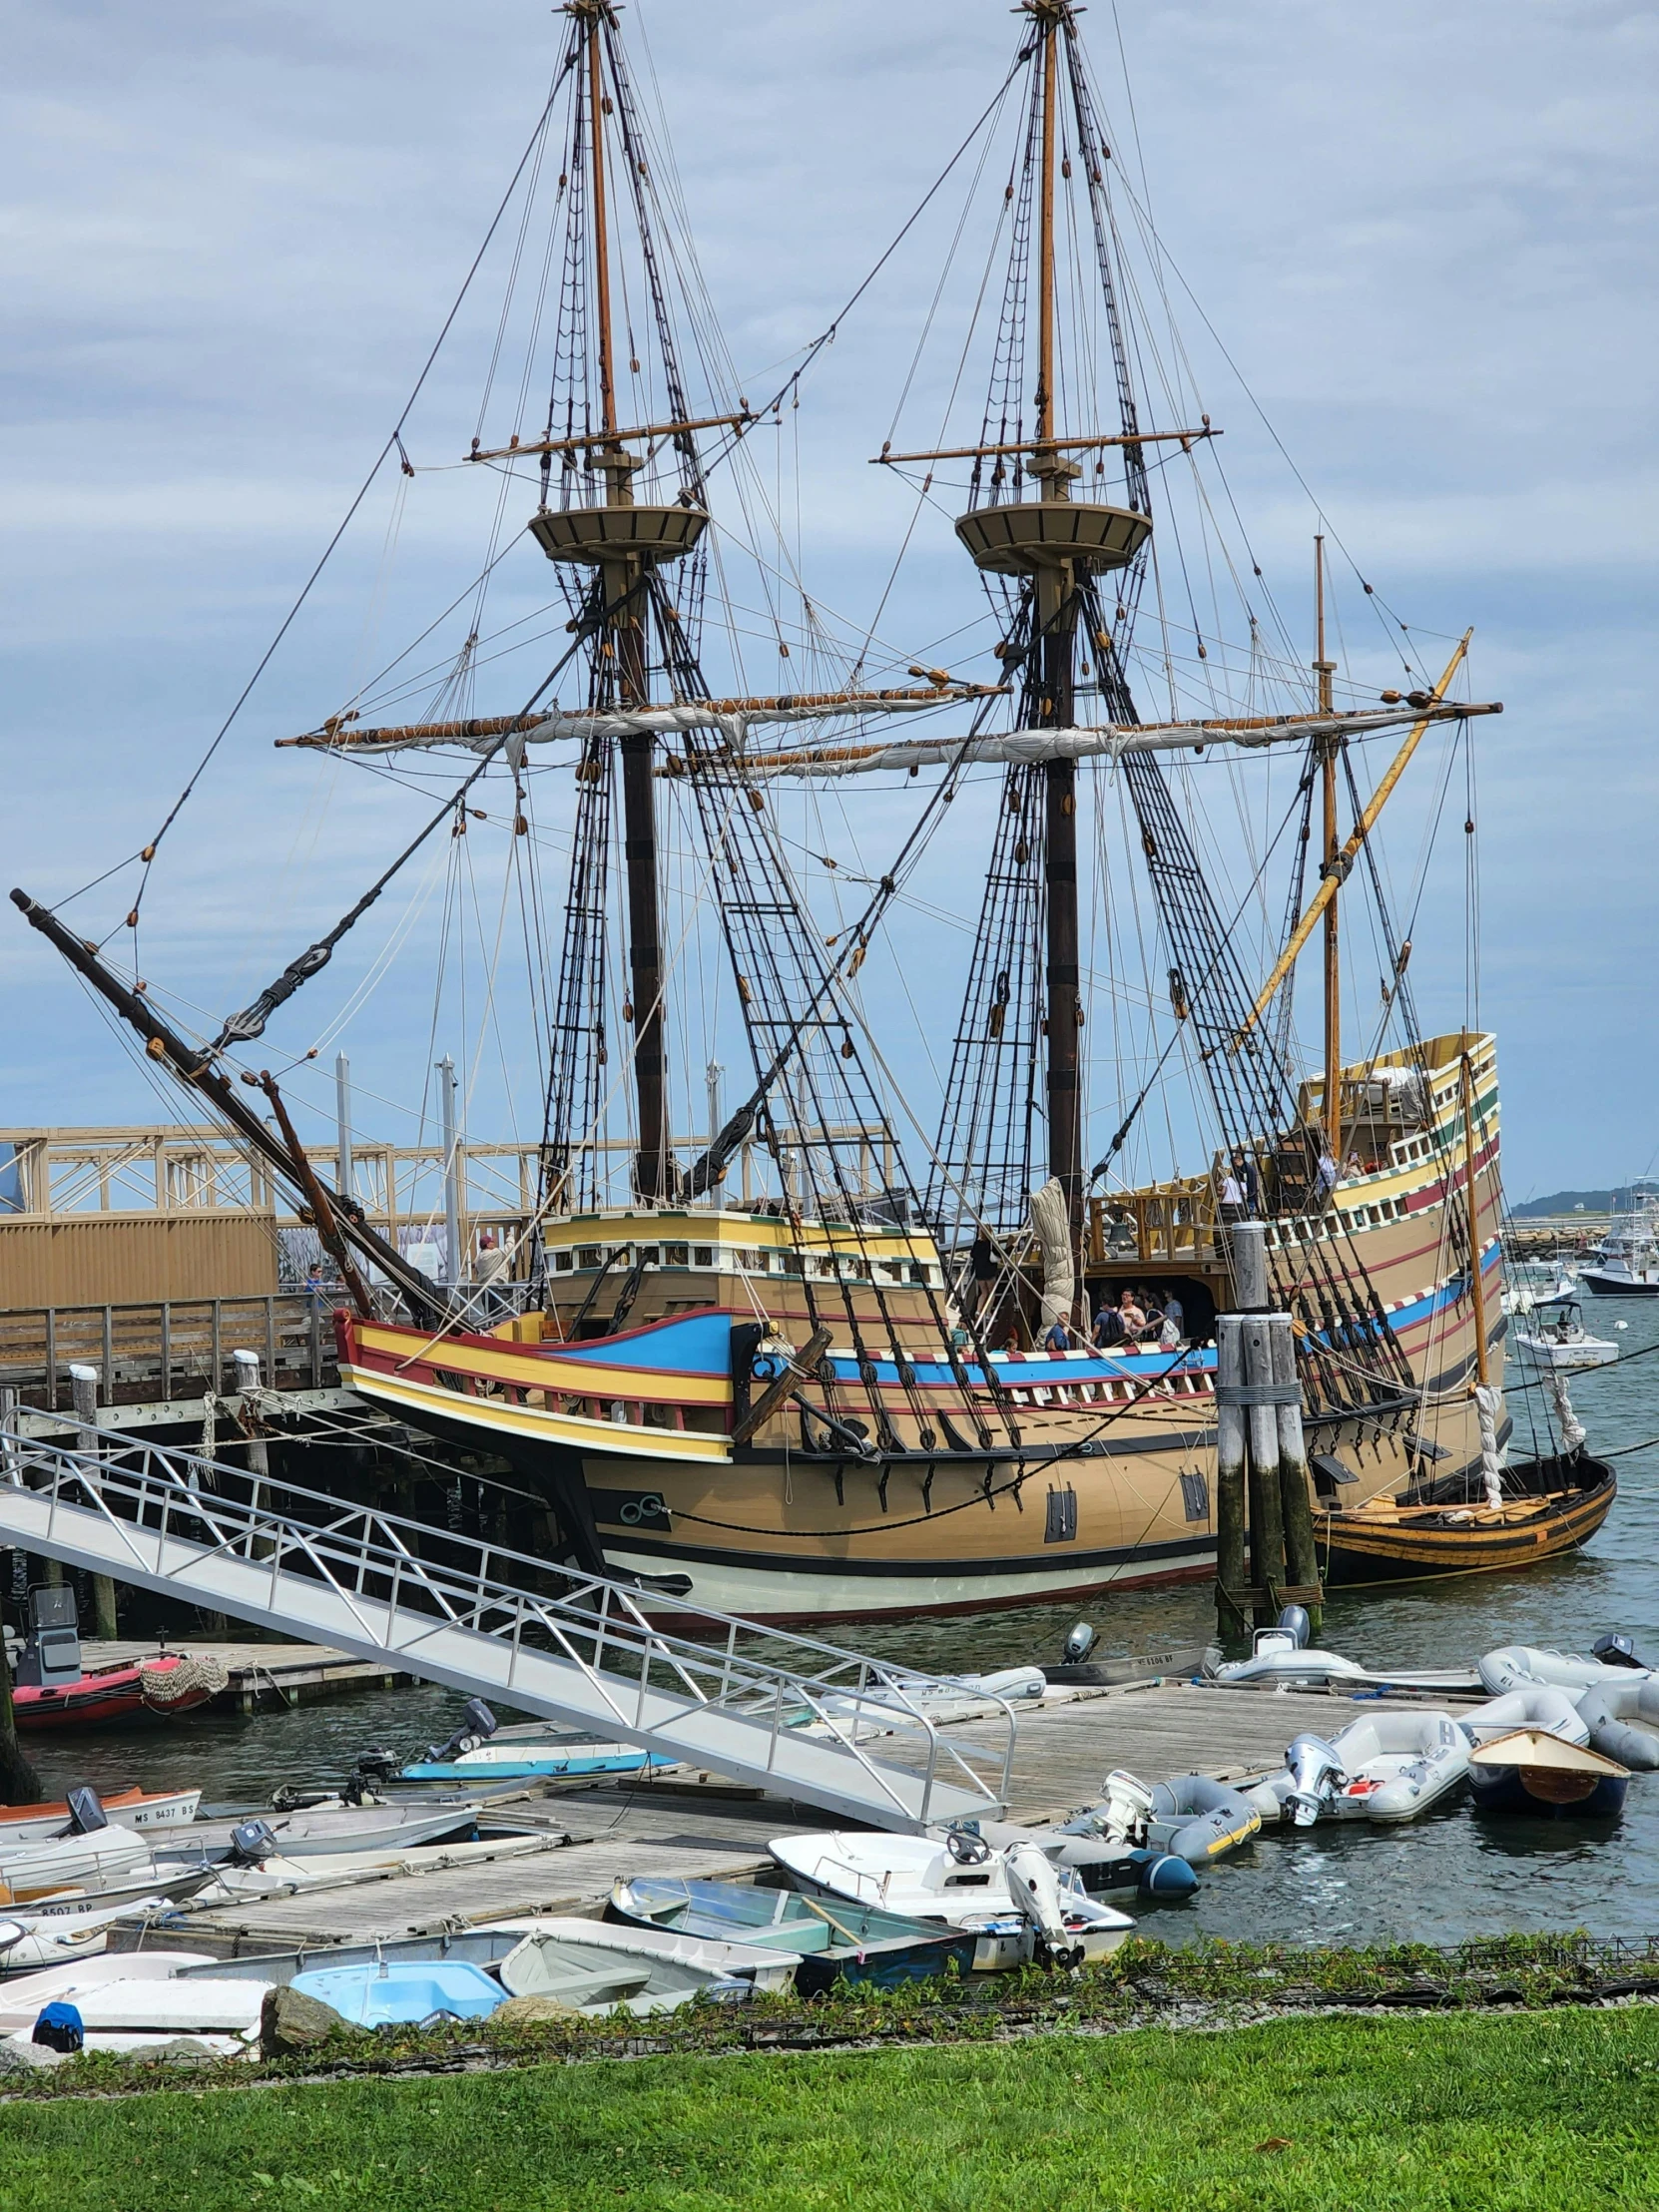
228,239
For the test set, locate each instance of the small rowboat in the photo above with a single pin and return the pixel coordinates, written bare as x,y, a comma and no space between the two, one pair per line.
1422,1541
834,1941
1538,1773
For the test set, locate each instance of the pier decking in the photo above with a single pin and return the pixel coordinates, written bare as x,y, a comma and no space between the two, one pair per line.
681,1825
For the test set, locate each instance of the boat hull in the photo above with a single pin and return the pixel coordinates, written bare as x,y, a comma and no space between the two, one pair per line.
1618,1286
1094,1471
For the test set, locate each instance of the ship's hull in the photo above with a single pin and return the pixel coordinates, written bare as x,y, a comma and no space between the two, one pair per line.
1109,1483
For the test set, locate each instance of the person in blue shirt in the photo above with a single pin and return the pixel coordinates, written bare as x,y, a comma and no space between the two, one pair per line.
1058,1338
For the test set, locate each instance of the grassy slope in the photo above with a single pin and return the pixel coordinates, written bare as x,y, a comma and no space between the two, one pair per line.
1523,2110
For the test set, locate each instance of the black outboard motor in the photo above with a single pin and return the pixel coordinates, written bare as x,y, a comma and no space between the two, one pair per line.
85,1811
1079,1644
251,1842
479,1725
1618,1651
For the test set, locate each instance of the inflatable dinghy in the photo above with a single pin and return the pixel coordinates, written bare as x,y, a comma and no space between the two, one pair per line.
1387,1767
1516,1666
1198,1818
1397,1765
1611,1712
1102,1861
1534,1705
1280,1657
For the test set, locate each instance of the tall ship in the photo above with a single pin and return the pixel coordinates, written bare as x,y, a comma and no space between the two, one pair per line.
843,1354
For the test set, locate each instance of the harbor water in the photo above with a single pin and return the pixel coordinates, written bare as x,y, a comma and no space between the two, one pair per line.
1439,1880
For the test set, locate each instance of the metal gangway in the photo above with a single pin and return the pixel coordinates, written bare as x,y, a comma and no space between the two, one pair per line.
794,1715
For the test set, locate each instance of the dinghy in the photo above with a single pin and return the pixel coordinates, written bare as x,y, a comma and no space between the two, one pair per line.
1613,1711
968,1697
833,1941
33,1941
589,1966
404,1992
519,1762
146,1812
1279,1658
1391,1766
1534,1705
87,1862
323,1831
1198,1818
959,1881
135,2013
21,2000
1516,1666
1532,1772
1184,1822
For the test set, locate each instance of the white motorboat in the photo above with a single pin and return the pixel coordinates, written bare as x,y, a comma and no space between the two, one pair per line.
92,1861
323,1831
1554,1337
1627,1264
33,1941
958,1879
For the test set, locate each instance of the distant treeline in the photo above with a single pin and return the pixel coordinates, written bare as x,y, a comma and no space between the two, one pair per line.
1593,1201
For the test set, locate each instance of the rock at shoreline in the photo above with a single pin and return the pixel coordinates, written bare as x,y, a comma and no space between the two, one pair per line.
291,2023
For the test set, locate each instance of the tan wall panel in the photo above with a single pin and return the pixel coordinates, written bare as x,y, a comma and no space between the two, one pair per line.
121,1259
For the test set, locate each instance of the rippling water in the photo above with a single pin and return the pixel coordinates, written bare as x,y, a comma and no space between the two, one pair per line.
1444,1878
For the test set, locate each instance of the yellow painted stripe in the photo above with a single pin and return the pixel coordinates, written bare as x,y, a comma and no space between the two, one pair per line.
547,1372
622,1438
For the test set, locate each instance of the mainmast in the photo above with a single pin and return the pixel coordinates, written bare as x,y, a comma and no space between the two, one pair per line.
1053,544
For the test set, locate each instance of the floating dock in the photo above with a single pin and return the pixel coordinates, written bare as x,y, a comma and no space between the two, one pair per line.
694,1827
263,1676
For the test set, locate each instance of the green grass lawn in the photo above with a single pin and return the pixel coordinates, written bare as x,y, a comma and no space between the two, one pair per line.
1496,2113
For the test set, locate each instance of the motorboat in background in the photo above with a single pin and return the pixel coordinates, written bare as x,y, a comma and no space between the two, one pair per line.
1553,1336
1627,1264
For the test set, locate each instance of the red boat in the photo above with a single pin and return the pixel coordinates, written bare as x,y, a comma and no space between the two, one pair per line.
107,1695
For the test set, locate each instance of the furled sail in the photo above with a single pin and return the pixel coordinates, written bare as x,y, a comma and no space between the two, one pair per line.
1051,1226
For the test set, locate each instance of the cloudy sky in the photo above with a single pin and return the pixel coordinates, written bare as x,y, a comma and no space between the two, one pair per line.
227,237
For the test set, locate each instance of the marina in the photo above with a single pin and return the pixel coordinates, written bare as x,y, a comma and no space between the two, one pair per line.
799,1306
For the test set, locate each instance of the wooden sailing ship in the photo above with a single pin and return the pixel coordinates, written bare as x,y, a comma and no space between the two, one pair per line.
840,1393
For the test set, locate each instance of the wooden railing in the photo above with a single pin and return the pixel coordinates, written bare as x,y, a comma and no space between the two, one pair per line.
181,1347
1165,1220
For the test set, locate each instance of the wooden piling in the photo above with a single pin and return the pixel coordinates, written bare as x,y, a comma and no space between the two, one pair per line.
1266,1525
1295,1483
1230,1479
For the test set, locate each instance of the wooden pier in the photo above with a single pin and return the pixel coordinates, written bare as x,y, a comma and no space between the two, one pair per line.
263,1677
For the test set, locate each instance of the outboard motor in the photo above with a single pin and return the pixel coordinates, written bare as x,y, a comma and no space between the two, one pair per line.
251,1842
376,1766
478,1728
1294,1622
1124,1807
1315,1771
1079,1644
1618,1651
85,1811
1035,1888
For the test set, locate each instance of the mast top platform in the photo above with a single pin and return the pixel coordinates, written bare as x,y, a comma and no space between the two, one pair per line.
599,534
1025,537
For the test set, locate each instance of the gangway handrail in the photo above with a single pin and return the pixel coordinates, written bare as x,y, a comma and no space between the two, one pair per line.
150,1496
